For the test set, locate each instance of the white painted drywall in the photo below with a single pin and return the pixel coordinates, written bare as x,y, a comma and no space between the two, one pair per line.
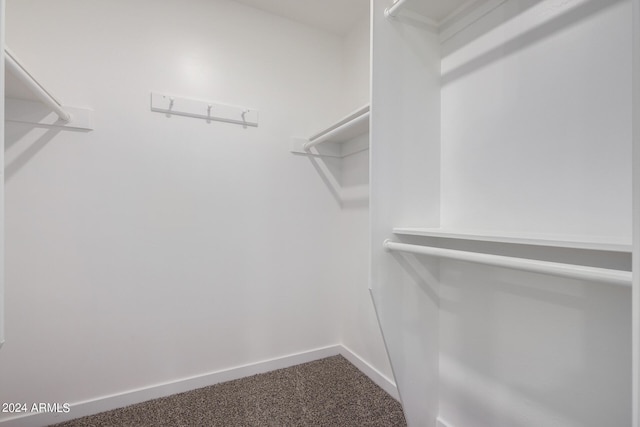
360,331
636,213
536,124
2,244
536,120
535,137
405,189
153,248
530,350
335,16
357,60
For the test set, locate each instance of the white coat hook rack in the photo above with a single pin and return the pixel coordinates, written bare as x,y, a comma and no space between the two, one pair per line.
172,105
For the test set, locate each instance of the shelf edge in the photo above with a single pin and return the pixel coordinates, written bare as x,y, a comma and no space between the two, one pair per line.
570,242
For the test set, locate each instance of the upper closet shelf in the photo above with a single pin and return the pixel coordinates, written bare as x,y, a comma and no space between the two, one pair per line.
560,241
338,133
445,16
28,101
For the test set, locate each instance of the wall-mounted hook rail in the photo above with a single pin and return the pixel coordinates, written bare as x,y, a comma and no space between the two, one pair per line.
173,105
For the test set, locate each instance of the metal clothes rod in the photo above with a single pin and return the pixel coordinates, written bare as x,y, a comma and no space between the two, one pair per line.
327,136
571,271
392,11
13,66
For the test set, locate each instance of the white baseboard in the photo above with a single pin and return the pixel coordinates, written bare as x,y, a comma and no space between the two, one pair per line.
376,376
442,423
119,400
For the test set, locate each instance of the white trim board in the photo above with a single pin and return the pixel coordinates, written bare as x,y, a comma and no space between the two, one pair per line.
374,375
119,400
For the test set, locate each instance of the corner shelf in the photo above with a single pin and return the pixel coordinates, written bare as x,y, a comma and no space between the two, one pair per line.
551,240
334,138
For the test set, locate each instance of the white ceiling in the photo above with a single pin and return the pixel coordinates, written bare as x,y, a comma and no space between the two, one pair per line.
335,16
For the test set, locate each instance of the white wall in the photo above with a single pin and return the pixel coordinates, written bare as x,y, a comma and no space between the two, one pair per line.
359,327
405,190
155,248
536,123
2,35
536,138
360,331
356,57
519,123
636,212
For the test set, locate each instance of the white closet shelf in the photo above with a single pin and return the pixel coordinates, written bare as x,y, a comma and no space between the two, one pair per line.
561,241
355,124
28,101
445,16
344,130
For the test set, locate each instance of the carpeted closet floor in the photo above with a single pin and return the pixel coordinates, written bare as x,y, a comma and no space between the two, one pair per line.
327,392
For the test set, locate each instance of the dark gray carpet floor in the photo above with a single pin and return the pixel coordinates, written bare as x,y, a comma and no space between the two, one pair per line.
327,392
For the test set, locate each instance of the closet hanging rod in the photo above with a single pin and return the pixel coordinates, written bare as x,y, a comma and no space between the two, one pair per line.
392,11
571,271
15,68
329,135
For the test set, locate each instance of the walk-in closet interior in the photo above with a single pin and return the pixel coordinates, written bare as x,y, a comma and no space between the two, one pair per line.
444,192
